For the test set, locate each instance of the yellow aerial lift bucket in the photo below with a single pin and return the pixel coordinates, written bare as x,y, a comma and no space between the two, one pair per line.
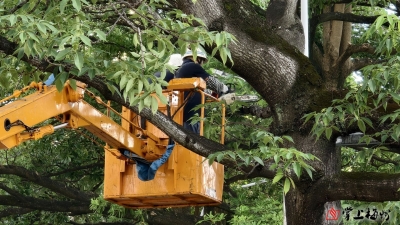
186,179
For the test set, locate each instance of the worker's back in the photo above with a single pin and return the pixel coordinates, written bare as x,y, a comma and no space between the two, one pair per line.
190,69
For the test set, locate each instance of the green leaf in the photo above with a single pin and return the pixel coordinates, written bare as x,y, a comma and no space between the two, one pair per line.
361,125
135,40
297,169
72,83
328,133
277,177
288,138
13,19
379,21
141,105
27,49
276,158
286,186
368,121
123,81
222,53
309,172
77,5
140,86
63,77
4,80
78,60
134,54
20,53
41,28
62,5
92,73
371,85
154,108
241,156
61,54
232,155
33,36
85,40
218,39
51,27
147,100
220,157
129,85
258,160
59,85
116,75
101,34
22,37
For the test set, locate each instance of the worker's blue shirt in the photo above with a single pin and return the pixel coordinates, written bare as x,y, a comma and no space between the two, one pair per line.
190,69
168,76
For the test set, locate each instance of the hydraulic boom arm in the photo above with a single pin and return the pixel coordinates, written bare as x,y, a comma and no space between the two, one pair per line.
20,116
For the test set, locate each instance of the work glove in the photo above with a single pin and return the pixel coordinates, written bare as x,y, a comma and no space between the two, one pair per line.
228,98
225,89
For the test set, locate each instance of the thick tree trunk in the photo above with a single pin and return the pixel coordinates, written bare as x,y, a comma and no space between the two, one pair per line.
336,40
306,204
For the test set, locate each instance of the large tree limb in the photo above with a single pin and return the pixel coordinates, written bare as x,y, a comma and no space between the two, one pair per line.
352,49
56,186
14,211
75,208
345,17
89,166
361,186
104,223
361,63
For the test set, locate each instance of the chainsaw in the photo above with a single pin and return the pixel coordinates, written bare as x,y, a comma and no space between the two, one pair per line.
230,96
246,98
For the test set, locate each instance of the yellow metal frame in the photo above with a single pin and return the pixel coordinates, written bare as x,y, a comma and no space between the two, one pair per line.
186,179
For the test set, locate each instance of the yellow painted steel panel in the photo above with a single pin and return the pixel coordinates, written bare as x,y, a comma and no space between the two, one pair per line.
193,182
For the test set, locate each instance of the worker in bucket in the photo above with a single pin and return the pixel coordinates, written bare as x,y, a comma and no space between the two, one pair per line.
193,68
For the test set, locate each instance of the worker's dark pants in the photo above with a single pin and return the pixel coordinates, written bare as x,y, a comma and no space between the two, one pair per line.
195,128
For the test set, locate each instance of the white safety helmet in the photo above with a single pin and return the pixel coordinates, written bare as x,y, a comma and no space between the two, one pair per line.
200,54
175,60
